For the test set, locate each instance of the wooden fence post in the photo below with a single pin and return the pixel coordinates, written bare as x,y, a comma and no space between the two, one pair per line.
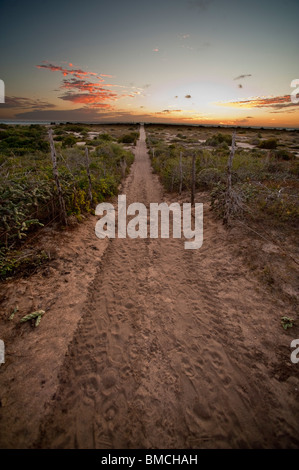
229,193
181,174
56,178
193,180
88,174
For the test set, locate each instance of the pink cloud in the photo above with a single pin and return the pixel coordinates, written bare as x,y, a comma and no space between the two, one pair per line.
78,73
276,102
88,88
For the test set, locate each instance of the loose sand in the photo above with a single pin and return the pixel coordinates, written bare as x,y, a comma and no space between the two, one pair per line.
147,345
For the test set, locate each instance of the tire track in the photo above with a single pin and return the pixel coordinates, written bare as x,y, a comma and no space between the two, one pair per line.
169,351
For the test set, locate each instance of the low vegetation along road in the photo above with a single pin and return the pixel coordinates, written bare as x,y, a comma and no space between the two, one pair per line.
175,348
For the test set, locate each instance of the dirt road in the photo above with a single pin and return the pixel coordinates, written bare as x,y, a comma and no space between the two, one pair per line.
175,348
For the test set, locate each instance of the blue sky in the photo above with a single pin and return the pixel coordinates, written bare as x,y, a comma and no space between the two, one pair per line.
180,60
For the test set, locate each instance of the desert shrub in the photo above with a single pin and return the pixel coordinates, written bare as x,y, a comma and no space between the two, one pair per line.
219,139
29,198
255,141
268,144
74,128
152,140
284,154
24,139
105,137
181,136
68,141
264,183
247,166
294,168
279,203
13,263
209,177
129,138
59,132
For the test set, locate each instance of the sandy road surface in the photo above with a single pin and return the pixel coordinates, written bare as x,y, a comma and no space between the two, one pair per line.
168,348
176,349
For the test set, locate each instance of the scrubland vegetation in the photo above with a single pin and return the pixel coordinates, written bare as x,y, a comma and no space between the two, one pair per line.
27,188
265,170
265,175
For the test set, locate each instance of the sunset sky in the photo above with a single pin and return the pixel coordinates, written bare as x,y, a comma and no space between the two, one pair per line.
185,61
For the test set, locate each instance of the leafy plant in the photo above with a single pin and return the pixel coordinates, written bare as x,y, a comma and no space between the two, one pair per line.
28,196
268,144
129,138
218,139
287,322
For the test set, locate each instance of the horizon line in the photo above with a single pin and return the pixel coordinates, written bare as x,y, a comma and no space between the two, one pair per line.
55,122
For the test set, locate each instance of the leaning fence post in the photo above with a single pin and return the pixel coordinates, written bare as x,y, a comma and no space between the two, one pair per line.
56,178
88,174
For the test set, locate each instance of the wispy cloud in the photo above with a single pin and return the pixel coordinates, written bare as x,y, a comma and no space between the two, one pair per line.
168,111
200,5
183,46
240,77
89,88
243,120
78,73
275,102
183,36
26,103
92,99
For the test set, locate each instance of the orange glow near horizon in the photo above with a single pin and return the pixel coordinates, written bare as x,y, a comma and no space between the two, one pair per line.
99,100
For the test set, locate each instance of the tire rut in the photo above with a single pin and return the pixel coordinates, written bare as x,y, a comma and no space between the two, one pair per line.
166,355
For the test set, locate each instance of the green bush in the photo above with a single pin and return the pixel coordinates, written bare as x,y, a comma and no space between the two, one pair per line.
284,154
29,197
266,182
68,141
24,139
219,139
105,137
268,144
129,138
